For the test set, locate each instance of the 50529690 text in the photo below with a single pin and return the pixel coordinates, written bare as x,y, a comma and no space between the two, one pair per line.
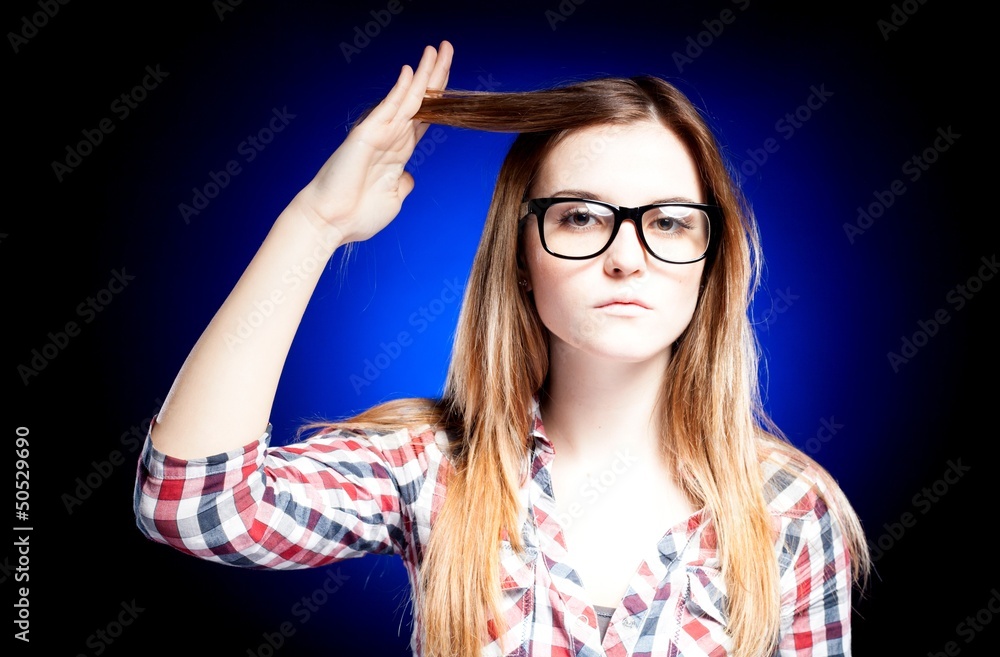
22,534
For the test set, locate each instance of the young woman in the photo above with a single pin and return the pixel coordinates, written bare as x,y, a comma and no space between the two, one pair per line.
598,476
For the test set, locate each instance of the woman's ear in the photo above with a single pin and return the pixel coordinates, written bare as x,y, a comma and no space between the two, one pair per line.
523,277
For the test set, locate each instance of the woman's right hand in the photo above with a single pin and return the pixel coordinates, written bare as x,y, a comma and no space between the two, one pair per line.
361,188
222,397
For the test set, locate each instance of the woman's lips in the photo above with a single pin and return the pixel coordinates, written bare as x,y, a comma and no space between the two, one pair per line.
624,303
623,308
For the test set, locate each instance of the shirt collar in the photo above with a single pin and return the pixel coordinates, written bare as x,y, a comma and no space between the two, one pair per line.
538,428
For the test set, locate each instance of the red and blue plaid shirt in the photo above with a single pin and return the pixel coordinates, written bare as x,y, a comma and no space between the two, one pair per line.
345,494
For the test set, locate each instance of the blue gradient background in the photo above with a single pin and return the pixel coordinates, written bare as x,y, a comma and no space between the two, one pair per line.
825,353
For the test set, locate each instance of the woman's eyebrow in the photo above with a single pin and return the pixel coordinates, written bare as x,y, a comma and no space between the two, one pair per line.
576,193
677,199
584,194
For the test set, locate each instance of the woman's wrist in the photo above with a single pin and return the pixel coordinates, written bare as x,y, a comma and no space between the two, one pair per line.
320,236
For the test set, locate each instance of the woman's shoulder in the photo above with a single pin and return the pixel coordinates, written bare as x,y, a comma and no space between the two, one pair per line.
395,444
795,485
404,433
808,507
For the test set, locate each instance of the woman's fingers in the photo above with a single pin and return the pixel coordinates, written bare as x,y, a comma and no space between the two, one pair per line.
439,76
386,110
418,87
407,94
436,78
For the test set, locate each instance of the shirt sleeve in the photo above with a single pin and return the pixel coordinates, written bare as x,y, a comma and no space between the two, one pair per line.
816,603
332,497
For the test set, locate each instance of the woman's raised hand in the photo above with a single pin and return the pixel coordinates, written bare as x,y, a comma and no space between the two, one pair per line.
222,396
361,188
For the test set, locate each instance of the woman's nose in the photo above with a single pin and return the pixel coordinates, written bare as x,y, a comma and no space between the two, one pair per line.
626,254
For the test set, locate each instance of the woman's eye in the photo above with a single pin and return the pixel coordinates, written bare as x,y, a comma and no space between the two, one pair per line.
672,220
663,225
581,218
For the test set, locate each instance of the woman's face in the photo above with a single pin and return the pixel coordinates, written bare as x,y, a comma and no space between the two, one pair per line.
623,305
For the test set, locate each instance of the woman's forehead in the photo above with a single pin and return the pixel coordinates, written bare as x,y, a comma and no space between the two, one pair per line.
639,160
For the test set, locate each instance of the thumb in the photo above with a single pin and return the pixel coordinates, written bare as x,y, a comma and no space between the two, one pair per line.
405,185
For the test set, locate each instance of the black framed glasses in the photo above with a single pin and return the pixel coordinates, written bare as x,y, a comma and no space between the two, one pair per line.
578,228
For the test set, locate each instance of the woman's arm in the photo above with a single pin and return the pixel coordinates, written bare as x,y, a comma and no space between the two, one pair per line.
336,496
816,591
221,399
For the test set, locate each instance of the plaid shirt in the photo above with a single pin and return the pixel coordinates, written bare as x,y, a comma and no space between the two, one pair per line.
344,495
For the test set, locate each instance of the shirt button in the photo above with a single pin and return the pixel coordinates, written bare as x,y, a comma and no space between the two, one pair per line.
583,619
629,622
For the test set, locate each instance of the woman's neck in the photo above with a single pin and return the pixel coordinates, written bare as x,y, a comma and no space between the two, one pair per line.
591,408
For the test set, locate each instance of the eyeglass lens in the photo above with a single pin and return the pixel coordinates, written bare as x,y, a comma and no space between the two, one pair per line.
581,229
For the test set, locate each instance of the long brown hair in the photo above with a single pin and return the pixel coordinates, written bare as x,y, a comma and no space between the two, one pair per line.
719,435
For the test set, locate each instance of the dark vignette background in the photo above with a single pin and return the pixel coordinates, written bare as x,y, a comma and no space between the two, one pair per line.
909,441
